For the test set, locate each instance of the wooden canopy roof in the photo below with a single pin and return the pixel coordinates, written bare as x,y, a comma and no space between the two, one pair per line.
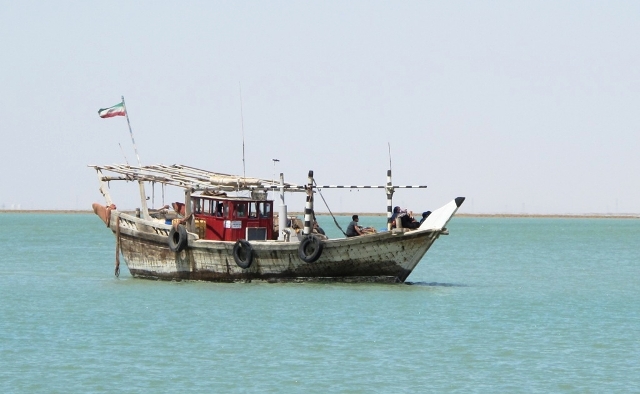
187,178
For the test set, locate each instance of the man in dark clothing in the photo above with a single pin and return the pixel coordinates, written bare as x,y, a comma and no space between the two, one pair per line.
317,228
406,218
354,230
425,215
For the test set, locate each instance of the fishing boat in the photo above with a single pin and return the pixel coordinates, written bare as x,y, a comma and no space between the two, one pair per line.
227,230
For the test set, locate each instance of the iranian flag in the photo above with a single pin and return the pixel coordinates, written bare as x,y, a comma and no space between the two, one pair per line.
116,110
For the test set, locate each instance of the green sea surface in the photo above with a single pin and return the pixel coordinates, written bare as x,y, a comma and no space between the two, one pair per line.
511,305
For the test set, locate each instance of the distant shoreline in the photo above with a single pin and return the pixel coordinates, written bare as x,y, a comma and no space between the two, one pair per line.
462,215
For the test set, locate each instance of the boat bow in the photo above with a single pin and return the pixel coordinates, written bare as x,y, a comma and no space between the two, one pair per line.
440,217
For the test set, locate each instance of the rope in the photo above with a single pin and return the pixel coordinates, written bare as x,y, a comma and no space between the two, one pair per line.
107,214
117,271
327,205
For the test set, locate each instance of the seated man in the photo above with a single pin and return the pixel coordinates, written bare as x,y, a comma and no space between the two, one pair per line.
425,215
317,228
408,221
406,218
318,231
353,230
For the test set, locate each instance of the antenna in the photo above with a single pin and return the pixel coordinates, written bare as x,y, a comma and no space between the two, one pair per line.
242,125
274,170
274,173
389,145
125,156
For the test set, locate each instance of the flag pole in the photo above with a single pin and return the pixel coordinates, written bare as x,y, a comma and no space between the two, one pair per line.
143,194
126,113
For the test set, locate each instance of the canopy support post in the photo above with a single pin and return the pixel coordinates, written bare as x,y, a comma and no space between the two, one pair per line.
187,211
282,215
104,189
143,201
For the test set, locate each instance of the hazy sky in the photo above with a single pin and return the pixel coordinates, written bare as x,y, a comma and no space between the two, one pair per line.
519,106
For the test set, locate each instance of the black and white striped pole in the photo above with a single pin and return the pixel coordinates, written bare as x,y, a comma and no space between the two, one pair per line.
389,190
308,209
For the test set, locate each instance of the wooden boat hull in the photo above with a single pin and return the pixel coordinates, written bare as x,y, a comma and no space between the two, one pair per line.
382,257
209,238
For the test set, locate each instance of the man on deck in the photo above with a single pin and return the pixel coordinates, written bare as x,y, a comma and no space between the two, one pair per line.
354,230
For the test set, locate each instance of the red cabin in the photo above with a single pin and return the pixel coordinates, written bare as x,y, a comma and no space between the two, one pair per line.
233,218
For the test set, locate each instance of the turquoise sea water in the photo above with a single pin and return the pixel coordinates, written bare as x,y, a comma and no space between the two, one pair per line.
500,305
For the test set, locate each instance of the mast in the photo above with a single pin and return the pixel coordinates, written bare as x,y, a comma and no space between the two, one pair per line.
308,209
389,190
143,194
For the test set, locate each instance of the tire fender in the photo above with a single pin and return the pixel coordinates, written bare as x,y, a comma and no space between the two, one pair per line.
310,249
177,238
243,253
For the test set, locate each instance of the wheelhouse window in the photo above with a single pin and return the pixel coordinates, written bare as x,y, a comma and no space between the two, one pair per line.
240,210
221,210
254,209
225,212
265,212
207,206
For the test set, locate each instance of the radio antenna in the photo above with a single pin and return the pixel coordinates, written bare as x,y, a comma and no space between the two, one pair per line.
125,156
242,125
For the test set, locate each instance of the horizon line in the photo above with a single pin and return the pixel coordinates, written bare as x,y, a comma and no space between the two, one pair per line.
487,215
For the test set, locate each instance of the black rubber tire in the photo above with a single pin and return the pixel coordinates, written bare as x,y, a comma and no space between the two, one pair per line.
243,253
310,249
177,239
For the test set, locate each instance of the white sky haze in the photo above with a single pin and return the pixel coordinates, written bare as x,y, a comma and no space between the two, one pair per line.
522,107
